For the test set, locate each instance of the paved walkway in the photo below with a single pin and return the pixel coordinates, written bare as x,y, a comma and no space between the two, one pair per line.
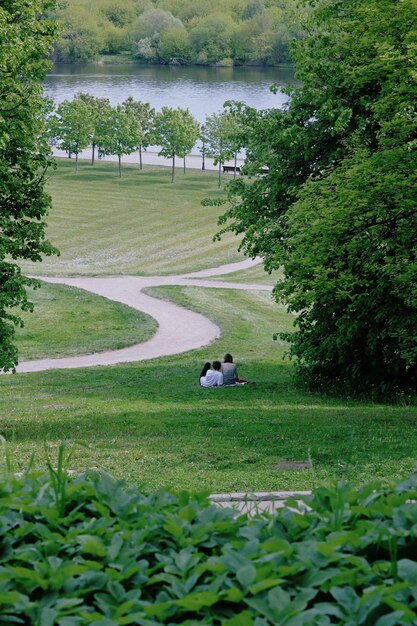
179,330
260,501
192,161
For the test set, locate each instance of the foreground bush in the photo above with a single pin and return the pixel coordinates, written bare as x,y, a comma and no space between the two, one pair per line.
91,550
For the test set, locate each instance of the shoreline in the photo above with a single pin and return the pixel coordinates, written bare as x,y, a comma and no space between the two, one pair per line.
193,161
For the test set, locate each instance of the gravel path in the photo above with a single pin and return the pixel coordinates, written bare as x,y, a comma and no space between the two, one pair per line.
193,161
179,330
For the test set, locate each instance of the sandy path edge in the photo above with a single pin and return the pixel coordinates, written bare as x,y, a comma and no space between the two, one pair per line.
179,330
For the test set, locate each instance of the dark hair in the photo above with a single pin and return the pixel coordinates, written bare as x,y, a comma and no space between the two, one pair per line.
217,365
228,358
205,369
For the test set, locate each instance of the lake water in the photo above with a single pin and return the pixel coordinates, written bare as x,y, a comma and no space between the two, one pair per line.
202,89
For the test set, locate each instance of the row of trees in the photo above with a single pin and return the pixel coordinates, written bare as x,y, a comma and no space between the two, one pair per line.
188,32
133,125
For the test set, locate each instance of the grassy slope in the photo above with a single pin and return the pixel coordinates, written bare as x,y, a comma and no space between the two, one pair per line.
151,422
106,225
254,274
68,321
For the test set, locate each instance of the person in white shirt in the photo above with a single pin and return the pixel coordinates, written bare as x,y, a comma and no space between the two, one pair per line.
211,377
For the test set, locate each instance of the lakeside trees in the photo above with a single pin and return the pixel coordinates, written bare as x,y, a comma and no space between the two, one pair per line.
253,32
86,120
338,208
74,126
26,39
220,139
144,115
176,131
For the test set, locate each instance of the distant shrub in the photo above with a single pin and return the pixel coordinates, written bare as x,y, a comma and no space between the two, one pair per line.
91,550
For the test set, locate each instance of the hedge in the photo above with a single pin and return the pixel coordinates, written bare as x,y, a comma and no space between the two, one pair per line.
93,550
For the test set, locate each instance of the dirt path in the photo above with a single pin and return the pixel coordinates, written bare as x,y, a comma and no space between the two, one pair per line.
179,330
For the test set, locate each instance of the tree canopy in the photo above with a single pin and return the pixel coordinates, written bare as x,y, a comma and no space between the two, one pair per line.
254,32
176,131
337,208
26,39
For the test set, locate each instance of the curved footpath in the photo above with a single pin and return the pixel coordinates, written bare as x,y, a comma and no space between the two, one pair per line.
179,330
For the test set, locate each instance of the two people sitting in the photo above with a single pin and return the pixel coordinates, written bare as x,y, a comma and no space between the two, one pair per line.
221,374
211,376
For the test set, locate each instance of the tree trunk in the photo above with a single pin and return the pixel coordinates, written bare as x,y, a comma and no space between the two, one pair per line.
173,168
92,152
120,166
220,170
234,173
140,157
76,162
184,165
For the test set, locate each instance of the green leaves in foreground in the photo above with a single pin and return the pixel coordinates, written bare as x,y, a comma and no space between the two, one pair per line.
113,556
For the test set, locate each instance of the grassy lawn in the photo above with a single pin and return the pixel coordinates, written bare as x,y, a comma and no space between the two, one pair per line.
152,423
106,225
255,274
68,321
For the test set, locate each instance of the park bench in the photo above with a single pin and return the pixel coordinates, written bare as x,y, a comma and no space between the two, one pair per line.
230,168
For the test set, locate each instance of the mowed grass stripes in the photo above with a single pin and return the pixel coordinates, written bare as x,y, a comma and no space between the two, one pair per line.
141,224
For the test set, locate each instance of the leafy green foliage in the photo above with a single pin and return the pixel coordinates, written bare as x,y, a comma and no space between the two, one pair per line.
221,136
118,132
168,31
25,43
337,208
74,126
90,550
144,114
176,131
98,112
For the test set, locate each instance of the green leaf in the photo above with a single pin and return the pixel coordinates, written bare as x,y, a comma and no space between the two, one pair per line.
392,619
243,619
232,595
197,600
92,545
262,585
407,570
246,575
346,597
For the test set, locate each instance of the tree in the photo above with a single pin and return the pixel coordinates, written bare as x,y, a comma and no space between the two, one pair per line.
189,131
337,208
219,137
211,39
26,39
149,29
174,45
99,108
81,35
118,133
75,124
144,115
176,131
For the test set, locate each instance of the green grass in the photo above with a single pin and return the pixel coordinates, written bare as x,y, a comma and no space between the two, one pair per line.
68,321
152,423
104,225
255,274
